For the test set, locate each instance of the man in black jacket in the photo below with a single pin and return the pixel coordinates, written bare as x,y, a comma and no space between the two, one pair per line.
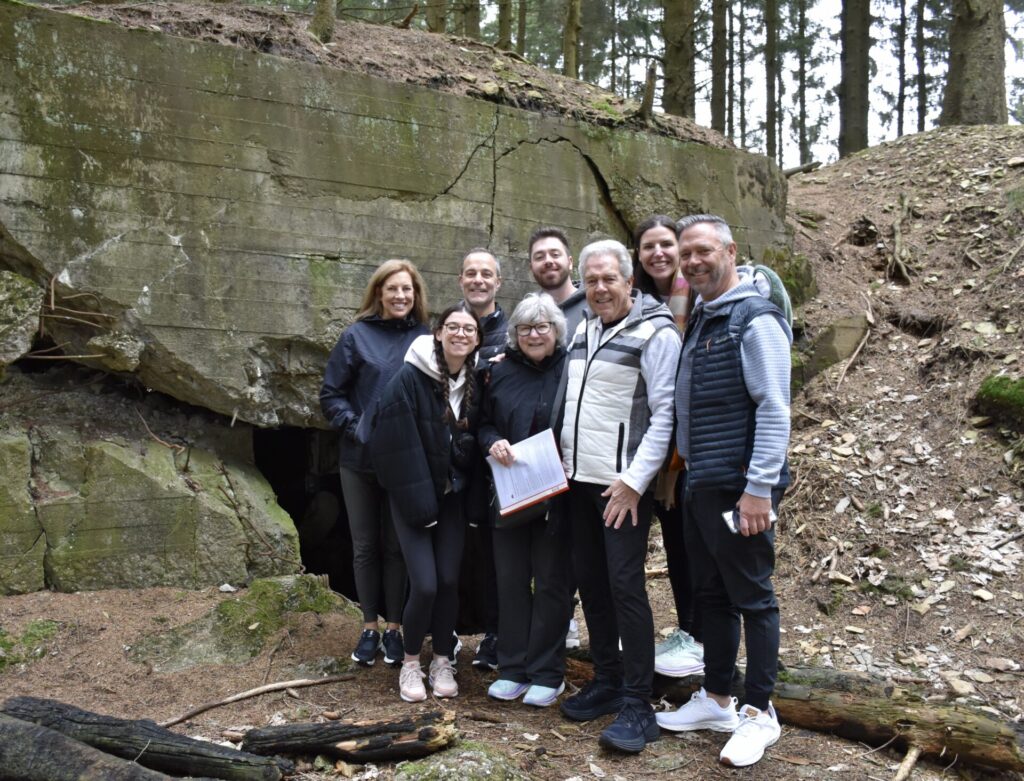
480,281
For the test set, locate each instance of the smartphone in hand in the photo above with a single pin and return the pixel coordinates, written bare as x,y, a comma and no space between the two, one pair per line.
732,519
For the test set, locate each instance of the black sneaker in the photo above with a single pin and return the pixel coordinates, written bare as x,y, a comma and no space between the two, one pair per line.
595,699
633,729
394,648
366,649
453,657
487,653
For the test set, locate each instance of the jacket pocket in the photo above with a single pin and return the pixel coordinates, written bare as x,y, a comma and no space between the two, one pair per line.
619,446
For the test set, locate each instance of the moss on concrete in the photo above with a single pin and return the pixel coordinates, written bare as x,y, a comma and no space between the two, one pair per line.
1002,398
795,271
468,761
237,629
32,643
22,543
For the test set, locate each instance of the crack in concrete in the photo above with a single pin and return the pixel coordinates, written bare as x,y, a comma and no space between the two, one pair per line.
487,141
595,170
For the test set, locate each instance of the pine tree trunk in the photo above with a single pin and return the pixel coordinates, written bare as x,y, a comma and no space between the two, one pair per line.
437,15
804,45
719,44
521,28
743,74
922,75
571,39
854,66
679,95
975,83
771,71
322,23
505,24
472,20
901,55
730,113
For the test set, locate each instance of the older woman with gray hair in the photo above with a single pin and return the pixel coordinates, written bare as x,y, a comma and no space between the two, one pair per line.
534,600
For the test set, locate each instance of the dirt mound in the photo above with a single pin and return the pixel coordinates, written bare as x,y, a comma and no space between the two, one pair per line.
460,66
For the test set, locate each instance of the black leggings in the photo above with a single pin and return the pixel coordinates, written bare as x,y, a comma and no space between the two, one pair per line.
432,558
679,577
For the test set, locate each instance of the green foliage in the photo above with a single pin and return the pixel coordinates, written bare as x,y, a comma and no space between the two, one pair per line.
893,585
1002,398
30,644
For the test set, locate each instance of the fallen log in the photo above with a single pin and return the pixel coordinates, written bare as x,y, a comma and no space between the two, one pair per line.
145,743
358,741
860,707
30,752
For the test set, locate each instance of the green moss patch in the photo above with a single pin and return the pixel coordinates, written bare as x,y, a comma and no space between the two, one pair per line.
237,629
32,643
1002,399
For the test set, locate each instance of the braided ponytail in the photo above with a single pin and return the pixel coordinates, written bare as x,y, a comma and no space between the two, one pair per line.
442,365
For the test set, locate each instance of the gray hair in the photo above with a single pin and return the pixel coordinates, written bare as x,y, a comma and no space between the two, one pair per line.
720,225
484,251
608,247
536,308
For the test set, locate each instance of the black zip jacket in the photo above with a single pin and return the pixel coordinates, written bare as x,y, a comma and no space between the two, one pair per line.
415,453
366,357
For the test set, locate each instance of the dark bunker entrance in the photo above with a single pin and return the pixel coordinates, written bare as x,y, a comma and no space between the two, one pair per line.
301,466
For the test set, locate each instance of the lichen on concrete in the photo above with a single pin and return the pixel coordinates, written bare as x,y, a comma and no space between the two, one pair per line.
20,301
237,629
465,762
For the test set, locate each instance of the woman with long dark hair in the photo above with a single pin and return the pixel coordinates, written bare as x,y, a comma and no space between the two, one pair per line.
423,448
393,313
656,271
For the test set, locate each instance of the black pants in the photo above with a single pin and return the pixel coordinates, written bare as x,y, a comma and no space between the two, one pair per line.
679,576
609,566
732,577
432,557
376,557
534,603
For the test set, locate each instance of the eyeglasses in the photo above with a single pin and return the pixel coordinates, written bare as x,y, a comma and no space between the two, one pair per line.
542,329
454,328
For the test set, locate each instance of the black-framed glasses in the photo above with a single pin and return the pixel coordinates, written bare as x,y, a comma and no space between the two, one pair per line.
453,328
542,329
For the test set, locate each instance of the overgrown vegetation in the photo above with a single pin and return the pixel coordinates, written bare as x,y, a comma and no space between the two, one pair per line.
31,644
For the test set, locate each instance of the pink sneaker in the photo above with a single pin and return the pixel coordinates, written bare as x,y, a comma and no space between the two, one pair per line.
442,678
410,682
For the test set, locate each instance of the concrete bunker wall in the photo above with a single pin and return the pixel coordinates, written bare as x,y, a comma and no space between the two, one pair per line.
204,218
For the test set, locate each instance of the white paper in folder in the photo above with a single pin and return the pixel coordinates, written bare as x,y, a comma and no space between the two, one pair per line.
535,475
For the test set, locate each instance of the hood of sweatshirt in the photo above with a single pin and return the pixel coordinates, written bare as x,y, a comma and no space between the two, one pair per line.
421,355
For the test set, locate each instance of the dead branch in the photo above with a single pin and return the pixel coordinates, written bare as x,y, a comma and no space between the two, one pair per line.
1013,256
647,104
1008,540
898,268
404,24
806,168
168,445
852,358
907,765
270,687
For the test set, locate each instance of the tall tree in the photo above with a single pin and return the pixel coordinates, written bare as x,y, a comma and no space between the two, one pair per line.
975,91
679,95
730,120
919,60
521,27
719,75
437,15
855,63
771,73
505,24
901,60
571,39
742,38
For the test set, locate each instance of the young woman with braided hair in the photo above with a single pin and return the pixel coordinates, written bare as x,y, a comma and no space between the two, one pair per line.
423,449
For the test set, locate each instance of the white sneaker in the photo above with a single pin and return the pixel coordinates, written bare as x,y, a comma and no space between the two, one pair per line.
758,729
680,655
701,712
410,682
572,637
442,678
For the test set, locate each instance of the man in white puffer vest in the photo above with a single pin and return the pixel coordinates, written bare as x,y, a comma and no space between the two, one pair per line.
615,437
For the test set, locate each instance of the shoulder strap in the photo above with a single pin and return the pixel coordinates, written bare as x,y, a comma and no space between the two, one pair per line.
778,294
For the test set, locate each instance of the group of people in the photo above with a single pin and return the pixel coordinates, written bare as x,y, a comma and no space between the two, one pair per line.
664,378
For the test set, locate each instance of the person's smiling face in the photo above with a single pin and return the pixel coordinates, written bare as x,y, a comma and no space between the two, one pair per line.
658,253
535,345
397,296
608,292
708,265
459,336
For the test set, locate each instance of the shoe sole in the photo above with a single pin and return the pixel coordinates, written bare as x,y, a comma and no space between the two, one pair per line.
714,726
613,707
510,698
439,695
729,763
413,699
679,672
362,662
485,665
392,662
628,746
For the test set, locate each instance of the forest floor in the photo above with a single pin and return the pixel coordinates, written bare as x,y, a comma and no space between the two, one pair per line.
896,549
